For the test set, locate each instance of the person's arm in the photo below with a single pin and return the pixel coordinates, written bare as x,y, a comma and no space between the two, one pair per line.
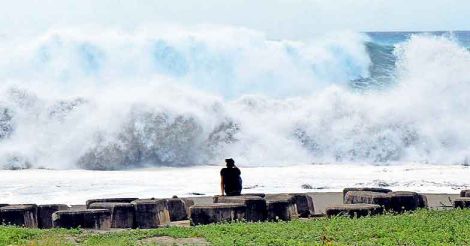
222,184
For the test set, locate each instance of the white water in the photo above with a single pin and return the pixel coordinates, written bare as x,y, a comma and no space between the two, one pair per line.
76,186
111,100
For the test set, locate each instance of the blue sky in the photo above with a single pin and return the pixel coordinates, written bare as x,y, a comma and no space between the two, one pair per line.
277,18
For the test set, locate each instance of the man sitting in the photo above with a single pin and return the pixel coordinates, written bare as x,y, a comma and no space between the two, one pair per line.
230,180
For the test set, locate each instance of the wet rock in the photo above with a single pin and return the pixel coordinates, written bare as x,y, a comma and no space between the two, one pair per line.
122,214
463,202
151,213
19,215
402,201
215,213
304,204
98,219
354,210
114,200
177,209
255,206
373,189
369,197
45,212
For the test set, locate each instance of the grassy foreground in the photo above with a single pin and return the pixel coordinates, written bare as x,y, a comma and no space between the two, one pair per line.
420,228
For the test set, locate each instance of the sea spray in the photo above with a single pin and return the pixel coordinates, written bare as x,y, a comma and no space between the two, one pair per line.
116,100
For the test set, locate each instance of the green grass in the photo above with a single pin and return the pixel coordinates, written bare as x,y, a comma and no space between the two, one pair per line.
421,228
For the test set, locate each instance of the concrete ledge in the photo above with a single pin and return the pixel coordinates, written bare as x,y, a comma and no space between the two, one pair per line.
354,210
463,202
215,213
372,189
99,219
360,197
122,214
45,212
304,203
262,195
151,213
256,209
115,200
19,215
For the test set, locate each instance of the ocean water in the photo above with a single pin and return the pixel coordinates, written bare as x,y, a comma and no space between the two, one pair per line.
77,186
72,100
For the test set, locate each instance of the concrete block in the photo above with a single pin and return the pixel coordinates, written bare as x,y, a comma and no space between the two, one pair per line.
215,213
122,214
98,219
304,203
256,209
354,210
368,197
19,215
45,212
463,202
151,213
372,189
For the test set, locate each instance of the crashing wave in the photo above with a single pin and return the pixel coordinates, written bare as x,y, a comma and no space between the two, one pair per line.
111,101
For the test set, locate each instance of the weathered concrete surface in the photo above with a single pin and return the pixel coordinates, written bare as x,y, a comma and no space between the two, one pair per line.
218,212
402,201
19,215
304,203
115,200
45,212
280,210
369,197
372,189
465,193
262,195
177,209
151,213
187,204
462,202
271,202
98,219
122,214
256,209
354,210
422,201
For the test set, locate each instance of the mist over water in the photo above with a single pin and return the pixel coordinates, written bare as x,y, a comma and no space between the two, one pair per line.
115,100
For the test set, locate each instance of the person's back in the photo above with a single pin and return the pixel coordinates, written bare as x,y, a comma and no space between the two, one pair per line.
231,181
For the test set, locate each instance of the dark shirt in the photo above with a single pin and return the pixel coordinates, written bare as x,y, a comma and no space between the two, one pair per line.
232,180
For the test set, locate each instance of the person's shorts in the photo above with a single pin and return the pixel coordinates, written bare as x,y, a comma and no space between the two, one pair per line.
233,193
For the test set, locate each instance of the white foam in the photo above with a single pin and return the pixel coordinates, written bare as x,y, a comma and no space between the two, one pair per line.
76,186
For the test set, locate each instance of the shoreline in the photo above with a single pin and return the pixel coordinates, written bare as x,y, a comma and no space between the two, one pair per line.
75,187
